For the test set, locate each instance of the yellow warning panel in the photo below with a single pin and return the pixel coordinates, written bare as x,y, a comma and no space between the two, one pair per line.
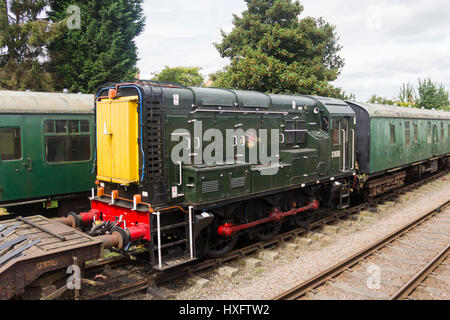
117,140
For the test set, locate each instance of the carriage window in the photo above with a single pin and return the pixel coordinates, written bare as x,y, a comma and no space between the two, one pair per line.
416,133
61,126
10,144
68,148
392,134
336,137
74,126
49,126
84,126
407,134
429,132
67,140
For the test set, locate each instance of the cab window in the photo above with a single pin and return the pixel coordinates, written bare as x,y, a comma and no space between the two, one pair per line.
10,144
336,136
67,140
324,123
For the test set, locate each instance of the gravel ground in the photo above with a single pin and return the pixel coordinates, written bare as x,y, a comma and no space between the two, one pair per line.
292,268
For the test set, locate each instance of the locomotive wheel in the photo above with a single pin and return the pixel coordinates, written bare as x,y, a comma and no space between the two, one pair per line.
218,246
268,231
304,220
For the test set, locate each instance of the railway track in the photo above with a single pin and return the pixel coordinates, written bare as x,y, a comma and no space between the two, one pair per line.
158,279
406,292
337,278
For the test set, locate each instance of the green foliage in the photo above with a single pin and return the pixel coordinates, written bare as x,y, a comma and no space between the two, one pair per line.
340,94
102,50
23,37
406,94
271,50
380,100
189,76
432,95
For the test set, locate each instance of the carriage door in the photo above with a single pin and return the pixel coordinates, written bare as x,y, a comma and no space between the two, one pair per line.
13,166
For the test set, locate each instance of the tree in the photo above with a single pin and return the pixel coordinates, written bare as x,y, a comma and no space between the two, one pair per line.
23,39
102,49
188,76
271,50
380,100
341,94
406,94
431,95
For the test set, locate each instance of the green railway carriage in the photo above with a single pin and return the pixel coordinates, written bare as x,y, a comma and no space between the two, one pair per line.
395,139
47,150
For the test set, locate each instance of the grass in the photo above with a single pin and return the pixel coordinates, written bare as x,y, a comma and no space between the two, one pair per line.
3,212
259,270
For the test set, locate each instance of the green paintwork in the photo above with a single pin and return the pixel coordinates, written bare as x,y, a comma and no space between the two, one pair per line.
31,177
385,156
300,125
300,163
207,184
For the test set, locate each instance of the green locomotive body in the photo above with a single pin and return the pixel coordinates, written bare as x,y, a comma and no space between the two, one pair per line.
47,151
225,160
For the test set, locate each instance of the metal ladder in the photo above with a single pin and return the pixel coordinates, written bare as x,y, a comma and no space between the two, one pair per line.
344,197
161,262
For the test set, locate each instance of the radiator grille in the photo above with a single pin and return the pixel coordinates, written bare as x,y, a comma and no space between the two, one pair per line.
210,186
237,182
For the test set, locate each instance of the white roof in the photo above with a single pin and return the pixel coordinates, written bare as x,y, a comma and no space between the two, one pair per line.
385,111
45,102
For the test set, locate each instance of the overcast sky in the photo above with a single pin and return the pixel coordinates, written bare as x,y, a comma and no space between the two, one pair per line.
385,42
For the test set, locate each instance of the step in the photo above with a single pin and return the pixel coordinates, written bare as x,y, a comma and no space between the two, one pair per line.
166,265
172,226
170,244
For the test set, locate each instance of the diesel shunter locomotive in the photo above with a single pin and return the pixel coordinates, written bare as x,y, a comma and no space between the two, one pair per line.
188,171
